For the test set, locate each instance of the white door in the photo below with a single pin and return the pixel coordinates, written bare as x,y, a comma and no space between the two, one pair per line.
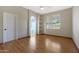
8,27
32,26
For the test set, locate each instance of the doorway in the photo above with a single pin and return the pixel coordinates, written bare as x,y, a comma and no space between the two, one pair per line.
32,27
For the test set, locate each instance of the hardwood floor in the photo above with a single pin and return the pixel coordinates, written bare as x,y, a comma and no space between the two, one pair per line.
40,44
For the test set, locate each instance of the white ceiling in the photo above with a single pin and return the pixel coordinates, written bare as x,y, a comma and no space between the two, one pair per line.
47,9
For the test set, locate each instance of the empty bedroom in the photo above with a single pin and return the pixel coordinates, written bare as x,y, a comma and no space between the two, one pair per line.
39,29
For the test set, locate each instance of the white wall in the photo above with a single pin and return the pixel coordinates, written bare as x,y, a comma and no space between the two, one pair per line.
1,29
76,25
23,23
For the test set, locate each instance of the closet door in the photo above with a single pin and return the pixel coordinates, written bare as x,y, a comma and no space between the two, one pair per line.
8,27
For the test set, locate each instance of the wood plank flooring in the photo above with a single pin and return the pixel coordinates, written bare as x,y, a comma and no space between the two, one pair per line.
40,44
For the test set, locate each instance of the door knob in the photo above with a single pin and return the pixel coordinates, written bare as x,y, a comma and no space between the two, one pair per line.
5,29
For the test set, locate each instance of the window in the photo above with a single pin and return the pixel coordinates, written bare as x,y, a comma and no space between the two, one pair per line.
53,22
